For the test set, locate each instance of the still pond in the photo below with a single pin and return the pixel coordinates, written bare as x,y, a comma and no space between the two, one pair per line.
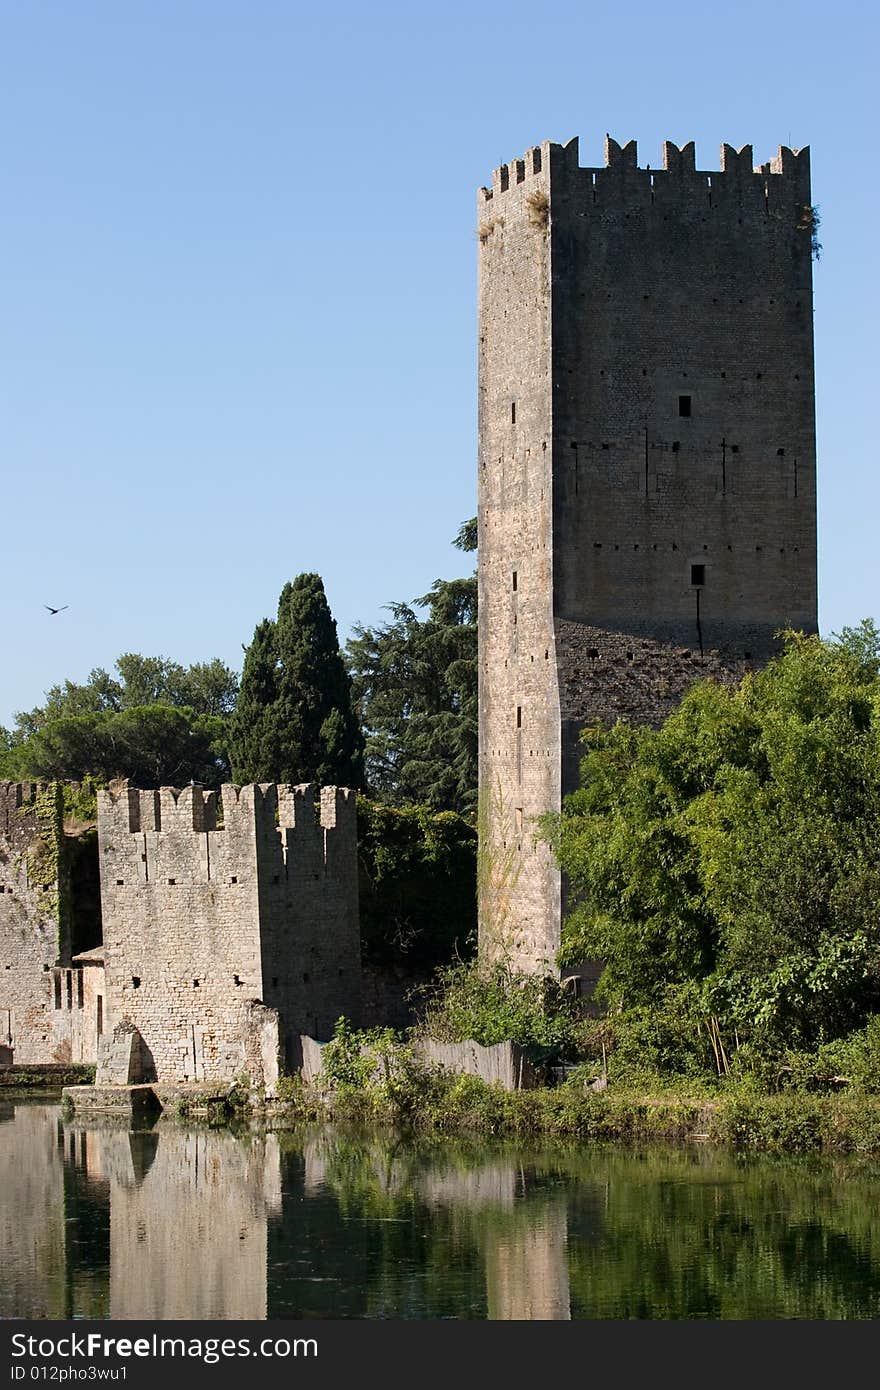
97,1221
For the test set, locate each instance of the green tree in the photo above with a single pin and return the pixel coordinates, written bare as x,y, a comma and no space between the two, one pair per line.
254,738
417,870
206,688
415,684
154,745
735,848
295,721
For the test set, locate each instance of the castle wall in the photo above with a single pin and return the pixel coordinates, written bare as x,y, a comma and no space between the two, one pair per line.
310,929
519,735
672,365
31,934
201,920
179,905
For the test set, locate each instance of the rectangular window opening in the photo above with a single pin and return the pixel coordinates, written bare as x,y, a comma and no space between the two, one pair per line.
514,581
698,574
684,407
513,412
99,1017
519,716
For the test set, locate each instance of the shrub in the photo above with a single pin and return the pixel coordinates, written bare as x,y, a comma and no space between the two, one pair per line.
494,1004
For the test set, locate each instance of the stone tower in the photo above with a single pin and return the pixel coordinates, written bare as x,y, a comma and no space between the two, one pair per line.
646,494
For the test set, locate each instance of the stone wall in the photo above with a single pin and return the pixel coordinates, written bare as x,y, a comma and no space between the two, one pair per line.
32,938
646,373
201,919
519,729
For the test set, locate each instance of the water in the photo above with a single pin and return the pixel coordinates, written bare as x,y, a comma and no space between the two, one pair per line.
96,1221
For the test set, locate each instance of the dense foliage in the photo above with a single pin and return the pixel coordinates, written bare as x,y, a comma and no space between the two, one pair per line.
294,721
725,866
493,1004
417,871
415,685
154,745
155,722
208,687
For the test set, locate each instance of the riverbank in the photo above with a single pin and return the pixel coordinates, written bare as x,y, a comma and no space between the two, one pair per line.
732,1117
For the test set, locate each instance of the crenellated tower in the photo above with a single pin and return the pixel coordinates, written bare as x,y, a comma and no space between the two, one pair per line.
214,906
646,491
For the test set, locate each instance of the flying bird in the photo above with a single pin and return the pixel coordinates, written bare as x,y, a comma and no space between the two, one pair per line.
56,610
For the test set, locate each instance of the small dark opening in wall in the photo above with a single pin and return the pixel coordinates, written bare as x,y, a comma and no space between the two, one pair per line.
514,581
519,716
135,981
58,991
276,878
593,654
172,881
698,574
195,984
236,979
780,453
629,656
234,879
275,980
684,407
120,883
675,446
305,977
747,656
513,412
734,448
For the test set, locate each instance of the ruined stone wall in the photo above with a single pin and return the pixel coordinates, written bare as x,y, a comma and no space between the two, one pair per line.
31,931
179,904
310,929
519,737
675,378
202,919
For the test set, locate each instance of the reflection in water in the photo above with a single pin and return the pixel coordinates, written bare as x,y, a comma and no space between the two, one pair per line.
97,1221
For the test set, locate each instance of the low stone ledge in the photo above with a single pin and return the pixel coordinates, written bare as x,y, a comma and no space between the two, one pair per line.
118,1100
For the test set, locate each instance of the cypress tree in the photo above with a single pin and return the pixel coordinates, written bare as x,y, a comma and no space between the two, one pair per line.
294,720
254,743
320,738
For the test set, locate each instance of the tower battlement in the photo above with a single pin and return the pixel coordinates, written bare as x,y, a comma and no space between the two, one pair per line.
285,821
788,167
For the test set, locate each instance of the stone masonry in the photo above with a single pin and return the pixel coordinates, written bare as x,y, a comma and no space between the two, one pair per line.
33,937
646,491
217,933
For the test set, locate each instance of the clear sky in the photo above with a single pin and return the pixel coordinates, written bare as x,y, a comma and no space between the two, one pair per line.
238,296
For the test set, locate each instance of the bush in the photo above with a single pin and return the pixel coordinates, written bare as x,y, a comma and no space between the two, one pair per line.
493,1004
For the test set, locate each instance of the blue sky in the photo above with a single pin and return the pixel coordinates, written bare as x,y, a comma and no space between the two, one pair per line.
238,300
